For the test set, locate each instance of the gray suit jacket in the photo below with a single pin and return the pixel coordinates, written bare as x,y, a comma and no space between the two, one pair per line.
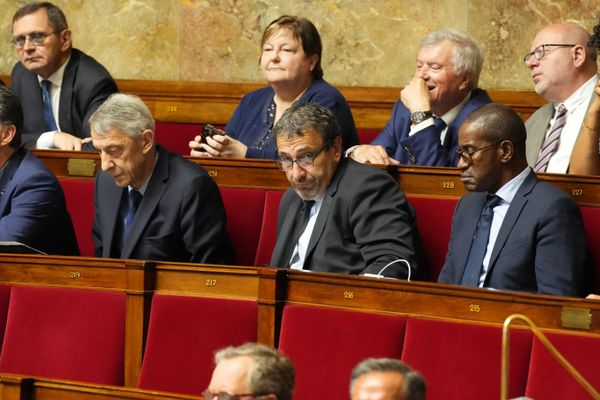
364,223
537,126
540,248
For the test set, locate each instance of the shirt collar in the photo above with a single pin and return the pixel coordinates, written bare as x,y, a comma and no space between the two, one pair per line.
580,95
57,77
508,191
142,190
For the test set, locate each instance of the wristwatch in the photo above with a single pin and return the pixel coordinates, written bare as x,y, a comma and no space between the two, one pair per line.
419,116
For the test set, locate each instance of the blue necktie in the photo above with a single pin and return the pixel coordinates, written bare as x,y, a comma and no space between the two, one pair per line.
48,116
439,124
480,243
135,198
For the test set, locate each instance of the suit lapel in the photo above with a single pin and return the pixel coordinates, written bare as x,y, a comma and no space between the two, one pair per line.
154,192
514,211
5,181
113,198
66,95
469,225
283,248
534,142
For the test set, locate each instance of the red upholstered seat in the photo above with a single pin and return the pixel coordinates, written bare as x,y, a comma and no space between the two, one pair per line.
268,233
183,335
462,361
326,344
244,208
176,136
366,136
4,300
65,334
434,220
79,195
591,221
549,380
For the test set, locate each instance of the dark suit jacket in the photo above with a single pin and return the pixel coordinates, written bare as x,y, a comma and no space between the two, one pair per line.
33,209
541,246
424,147
364,223
86,84
181,216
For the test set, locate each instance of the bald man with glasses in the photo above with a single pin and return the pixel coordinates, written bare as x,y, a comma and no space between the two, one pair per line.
60,87
564,71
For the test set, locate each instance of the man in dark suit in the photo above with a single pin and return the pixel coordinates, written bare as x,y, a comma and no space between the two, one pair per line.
32,203
423,128
339,215
59,87
150,203
514,232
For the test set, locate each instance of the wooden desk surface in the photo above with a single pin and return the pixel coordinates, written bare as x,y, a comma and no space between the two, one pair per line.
263,174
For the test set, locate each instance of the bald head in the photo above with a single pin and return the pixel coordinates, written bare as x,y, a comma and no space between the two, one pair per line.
562,69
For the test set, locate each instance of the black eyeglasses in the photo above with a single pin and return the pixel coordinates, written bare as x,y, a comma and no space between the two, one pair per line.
540,51
208,395
36,38
467,155
306,161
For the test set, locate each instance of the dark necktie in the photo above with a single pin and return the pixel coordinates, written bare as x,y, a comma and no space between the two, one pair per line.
301,223
48,116
439,123
480,243
551,142
135,198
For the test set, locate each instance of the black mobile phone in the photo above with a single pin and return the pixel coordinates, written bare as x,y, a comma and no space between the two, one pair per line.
209,130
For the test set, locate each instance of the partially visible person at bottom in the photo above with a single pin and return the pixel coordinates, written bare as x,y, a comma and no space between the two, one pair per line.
290,61
150,203
32,203
386,379
513,232
339,215
251,371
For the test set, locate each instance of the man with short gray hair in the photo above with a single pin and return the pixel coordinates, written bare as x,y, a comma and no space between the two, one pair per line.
423,128
386,379
252,371
150,203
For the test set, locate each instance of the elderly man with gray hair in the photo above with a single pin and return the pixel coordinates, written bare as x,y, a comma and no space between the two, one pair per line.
150,203
386,379
252,371
423,128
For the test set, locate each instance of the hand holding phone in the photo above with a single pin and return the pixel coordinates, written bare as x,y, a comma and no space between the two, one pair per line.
209,131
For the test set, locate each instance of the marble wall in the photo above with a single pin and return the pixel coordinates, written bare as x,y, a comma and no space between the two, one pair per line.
366,43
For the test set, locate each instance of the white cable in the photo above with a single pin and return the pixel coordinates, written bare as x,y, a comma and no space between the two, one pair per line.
378,275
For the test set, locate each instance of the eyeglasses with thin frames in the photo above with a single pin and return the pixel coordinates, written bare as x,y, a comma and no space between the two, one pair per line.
540,51
306,161
208,395
467,155
36,38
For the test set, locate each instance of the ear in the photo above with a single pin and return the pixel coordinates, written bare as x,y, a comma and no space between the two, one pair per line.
465,83
578,55
312,61
148,141
7,134
65,40
337,149
506,151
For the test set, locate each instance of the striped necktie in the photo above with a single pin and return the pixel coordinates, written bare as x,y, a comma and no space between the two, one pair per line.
48,116
552,140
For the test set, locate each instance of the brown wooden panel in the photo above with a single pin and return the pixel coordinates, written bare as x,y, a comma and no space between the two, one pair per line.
432,300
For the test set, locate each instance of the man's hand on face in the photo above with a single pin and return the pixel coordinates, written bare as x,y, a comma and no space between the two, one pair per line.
415,95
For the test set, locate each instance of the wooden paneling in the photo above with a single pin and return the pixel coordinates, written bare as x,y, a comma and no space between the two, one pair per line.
214,102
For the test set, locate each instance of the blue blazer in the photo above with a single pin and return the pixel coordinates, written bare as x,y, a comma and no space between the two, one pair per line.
249,122
33,209
86,84
424,147
541,246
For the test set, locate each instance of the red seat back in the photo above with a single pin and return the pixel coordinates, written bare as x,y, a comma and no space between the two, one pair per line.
79,195
65,333
366,136
591,222
244,208
434,220
183,335
326,344
4,300
176,136
268,233
549,380
462,361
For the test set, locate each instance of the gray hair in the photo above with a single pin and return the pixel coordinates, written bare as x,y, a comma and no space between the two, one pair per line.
414,384
300,118
271,371
124,112
467,57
